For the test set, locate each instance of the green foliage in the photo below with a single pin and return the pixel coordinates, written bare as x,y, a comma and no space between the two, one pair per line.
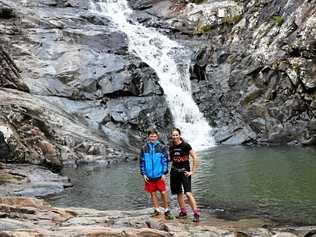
230,20
278,20
296,67
251,97
205,28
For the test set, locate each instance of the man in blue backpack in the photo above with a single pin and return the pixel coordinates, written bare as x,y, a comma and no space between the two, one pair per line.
153,162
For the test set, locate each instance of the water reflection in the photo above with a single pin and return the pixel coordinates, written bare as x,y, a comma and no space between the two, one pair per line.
274,182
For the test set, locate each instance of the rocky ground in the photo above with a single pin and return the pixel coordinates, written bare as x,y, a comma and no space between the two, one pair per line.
30,217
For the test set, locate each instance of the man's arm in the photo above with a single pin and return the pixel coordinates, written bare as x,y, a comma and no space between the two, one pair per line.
141,162
194,163
142,165
194,160
165,160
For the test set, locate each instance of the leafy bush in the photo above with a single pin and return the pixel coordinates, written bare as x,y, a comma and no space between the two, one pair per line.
278,20
205,29
230,20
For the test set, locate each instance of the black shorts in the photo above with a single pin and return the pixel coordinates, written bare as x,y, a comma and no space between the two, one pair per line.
178,181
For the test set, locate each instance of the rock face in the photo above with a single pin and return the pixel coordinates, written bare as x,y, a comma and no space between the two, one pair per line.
254,77
22,216
39,132
89,99
253,71
4,148
69,80
9,73
29,180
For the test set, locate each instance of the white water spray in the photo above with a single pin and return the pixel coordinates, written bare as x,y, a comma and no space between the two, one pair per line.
171,62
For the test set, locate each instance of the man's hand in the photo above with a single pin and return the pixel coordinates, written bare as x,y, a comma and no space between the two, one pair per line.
188,173
163,177
146,178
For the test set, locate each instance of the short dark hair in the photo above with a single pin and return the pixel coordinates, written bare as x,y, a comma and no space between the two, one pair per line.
152,131
177,130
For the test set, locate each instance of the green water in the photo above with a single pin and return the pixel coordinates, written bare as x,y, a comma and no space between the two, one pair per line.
231,182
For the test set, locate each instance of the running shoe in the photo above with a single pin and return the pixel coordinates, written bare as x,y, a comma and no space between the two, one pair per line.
155,213
182,215
196,218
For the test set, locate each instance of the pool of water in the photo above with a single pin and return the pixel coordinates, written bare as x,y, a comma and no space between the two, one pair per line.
231,182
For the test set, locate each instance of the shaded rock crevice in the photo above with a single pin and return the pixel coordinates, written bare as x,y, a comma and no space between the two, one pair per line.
10,73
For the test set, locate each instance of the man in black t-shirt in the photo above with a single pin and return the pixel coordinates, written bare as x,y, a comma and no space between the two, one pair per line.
180,175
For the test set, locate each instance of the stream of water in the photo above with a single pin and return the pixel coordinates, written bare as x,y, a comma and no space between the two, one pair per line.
171,62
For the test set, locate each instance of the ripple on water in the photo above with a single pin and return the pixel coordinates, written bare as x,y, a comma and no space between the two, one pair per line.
278,183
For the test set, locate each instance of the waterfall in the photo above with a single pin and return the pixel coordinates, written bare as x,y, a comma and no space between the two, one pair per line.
171,62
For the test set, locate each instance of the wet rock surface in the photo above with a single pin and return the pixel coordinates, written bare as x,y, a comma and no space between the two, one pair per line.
23,216
91,99
38,132
86,96
30,180
256,99
253,67
9,72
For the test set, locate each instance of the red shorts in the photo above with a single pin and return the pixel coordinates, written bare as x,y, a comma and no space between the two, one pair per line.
153,186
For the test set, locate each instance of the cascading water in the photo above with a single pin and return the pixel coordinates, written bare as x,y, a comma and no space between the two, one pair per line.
171,62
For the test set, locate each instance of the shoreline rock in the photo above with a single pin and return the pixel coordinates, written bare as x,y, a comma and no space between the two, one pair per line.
30,180
25,216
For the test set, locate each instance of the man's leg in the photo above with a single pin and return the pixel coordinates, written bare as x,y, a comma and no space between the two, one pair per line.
154,200
155,203
176,188
192,201
183,210
181,202
164,197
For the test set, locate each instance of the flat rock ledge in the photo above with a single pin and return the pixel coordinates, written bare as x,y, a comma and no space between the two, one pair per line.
31,217
30,180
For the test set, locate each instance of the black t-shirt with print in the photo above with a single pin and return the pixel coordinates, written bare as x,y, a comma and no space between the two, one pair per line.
179,155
